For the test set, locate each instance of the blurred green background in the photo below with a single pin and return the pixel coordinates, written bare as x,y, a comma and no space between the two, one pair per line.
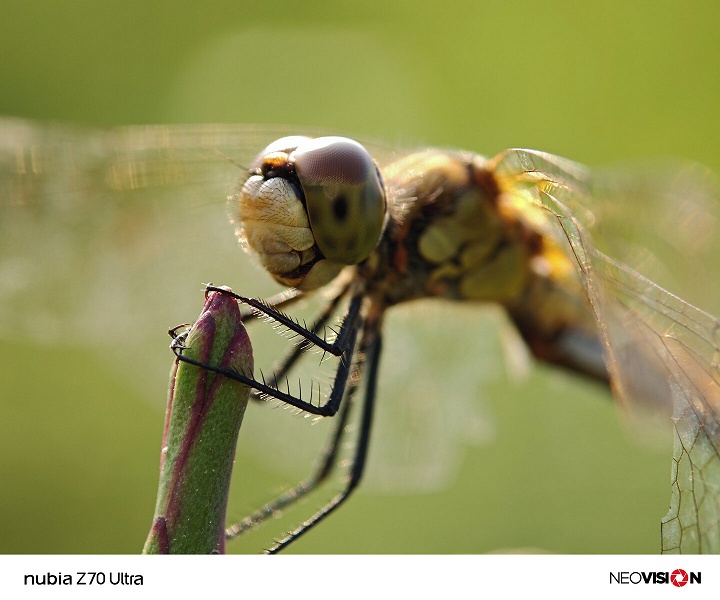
600,82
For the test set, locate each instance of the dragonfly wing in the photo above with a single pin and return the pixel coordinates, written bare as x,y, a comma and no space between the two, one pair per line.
661,217
106,240
434,393
663,353
680,365
117,230
104,231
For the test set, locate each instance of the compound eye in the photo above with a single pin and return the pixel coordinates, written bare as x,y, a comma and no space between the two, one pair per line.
344,194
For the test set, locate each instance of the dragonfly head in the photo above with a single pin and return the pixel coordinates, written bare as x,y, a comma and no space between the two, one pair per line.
309,207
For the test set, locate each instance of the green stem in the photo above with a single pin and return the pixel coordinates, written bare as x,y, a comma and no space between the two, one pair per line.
202,423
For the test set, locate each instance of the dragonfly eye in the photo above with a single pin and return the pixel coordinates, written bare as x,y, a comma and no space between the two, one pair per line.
345,197
309,207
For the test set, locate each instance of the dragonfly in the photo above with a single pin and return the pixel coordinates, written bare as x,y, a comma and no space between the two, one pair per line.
363,233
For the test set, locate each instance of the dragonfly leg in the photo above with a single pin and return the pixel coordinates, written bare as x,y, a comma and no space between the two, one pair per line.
372,350
282,299
337,347
288,361
343,346
326,466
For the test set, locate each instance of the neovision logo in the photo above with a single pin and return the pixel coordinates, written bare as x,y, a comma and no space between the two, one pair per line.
678,577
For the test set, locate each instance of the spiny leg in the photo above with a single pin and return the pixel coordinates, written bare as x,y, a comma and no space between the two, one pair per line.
352,323
343,346
283,299
288,361
337,347
326,465
371,346
328,458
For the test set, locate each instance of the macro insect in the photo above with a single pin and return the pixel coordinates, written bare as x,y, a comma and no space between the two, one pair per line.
362,236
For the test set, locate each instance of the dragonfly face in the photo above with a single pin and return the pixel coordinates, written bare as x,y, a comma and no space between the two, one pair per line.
514,230
310,207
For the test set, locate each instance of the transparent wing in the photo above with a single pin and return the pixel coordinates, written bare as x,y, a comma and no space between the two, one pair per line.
133,214
106,239
660,217
115,231
662,352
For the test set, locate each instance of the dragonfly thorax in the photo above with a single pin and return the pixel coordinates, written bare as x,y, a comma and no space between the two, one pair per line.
447,235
